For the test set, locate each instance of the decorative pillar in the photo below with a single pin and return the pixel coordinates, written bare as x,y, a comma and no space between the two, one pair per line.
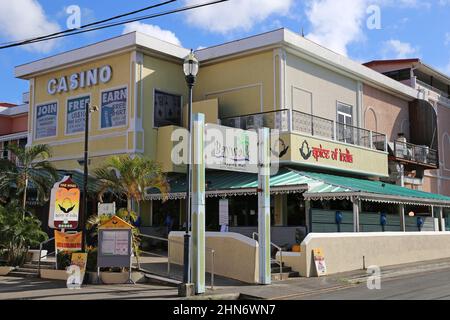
356,209
265,276
402,218
198,204
441,219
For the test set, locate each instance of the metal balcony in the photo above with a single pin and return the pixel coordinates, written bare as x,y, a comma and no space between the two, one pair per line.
295,121
415,154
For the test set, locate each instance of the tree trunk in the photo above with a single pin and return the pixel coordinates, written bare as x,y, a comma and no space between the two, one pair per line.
25,194
129,204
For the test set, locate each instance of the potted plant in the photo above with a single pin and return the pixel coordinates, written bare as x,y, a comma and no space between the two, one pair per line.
19,230
298,240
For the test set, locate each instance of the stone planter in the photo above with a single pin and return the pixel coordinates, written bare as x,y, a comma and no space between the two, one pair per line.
4,271
54,274
114,277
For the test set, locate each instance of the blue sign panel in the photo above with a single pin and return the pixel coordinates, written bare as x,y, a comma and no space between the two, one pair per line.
76,114
46,120
114,108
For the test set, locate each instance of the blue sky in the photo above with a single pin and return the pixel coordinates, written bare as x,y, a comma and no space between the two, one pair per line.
405,28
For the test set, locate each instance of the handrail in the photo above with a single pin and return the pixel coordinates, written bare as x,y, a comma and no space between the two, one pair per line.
212,251
280,250
40,254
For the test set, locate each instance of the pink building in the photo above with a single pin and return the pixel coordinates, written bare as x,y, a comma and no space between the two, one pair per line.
13,126
425,122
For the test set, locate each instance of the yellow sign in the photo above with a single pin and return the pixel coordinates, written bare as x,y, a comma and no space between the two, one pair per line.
68,242
319,261
116,223
64,205
80,260
323,153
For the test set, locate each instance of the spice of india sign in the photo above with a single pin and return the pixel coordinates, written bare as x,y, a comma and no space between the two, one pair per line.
326,154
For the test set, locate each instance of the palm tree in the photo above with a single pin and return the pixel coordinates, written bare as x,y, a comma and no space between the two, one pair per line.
128,177
31,166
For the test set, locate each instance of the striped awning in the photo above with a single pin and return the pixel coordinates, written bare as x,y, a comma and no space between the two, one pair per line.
332,187
226,184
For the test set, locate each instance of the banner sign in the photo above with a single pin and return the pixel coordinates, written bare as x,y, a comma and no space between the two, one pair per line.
319,261
46,120
106,209
114,108
64,205
68,242
231,149
76,110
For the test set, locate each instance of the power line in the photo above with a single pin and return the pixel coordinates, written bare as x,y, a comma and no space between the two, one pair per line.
26,41
74,32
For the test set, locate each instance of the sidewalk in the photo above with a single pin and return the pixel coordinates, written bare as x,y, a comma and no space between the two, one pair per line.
18,288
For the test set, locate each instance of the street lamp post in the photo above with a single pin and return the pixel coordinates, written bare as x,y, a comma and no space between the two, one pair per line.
88,110
190,68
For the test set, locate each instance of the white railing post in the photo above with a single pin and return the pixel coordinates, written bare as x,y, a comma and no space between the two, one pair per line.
335,130
371,139
291,119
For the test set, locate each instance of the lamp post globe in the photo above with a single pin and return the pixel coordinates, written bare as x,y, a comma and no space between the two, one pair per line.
190,69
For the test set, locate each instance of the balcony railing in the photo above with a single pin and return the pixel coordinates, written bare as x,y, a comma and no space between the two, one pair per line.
414,153
441,95
278,120
296,121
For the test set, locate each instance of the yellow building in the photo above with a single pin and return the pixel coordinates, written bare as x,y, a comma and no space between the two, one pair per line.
280,80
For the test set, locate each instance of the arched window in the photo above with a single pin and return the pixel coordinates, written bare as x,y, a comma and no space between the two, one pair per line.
370,120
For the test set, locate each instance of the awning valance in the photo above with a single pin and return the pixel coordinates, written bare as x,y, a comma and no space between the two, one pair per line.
331,187
229,184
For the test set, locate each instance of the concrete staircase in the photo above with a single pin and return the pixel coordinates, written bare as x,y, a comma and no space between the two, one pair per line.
286,272
30,269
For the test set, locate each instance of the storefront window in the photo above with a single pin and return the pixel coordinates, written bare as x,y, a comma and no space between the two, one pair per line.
296,210
243,211
167,110
162,210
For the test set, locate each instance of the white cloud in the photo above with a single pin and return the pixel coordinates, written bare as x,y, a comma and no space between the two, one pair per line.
398,50
23,19
237,15
152,30
336,24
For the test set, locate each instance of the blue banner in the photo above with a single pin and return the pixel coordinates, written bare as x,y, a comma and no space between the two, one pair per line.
114,108
46,120
76,114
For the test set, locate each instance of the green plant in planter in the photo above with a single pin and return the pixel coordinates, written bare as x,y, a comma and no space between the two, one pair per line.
19,230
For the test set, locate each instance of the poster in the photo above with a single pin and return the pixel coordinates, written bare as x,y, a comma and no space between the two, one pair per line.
46,120
106,209
114,108
223,212
64,205
68,242
76,110
319,261
115,243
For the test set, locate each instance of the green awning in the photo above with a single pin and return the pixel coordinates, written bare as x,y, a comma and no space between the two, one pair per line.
314,186
223,183
332,187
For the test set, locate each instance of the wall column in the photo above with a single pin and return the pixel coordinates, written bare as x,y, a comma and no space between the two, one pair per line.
402,218
356,209
280,210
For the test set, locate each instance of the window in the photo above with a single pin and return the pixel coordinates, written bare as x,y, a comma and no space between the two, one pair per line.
345,123
399,75
167,110
5,151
